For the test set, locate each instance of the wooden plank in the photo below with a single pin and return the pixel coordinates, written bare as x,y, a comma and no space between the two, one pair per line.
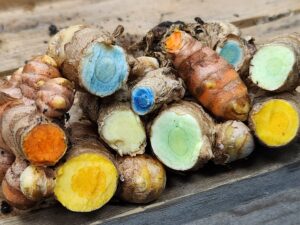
258,200
24,4
277,209
269,30
179,188
24,33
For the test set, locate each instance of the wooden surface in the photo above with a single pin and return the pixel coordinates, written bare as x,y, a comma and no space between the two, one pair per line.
262,190
263,199
275,199
239,189
24,29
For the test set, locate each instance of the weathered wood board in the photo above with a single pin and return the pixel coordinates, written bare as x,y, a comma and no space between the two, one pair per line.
202,195
183,189
24,29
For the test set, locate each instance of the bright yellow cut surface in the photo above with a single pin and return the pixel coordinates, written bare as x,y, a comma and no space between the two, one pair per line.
276,123
86,182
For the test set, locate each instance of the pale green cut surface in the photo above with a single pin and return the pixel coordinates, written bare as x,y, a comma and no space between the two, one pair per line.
176,140
271,66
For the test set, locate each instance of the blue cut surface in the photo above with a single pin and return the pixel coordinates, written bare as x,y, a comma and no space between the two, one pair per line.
142,100
232,53
104,69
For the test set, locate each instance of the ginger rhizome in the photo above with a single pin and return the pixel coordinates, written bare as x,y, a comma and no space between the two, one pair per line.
221,36
35,73
88,57
238,52
90,105
28,133
142,65
184,137
25,185
118,126
32,95
210,33
122,129
275,120
39,82
143,178
42,82
55,97
139,67
11,186
275,66
88,179
37,183
6,160
233,141
226,39
181,136
182,67
214,83
155,89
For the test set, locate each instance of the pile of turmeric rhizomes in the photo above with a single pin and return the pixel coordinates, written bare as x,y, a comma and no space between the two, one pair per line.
189,92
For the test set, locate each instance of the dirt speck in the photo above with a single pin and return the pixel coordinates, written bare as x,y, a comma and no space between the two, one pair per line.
52,29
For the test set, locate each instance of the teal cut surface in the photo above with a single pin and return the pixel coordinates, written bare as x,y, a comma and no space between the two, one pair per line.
232,53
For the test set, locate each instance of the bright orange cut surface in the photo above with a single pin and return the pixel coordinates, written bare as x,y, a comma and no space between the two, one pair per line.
45,144
174,41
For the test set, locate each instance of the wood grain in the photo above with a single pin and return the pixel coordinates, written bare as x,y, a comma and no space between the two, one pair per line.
268,181
24,33
258,200
179,189
272,29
